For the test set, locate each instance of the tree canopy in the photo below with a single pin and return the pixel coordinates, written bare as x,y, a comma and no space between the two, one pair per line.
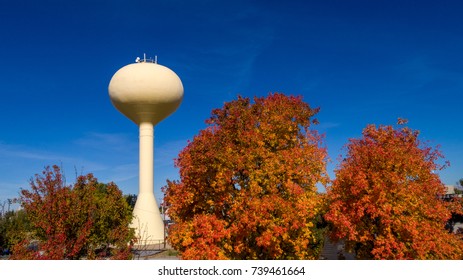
385,201
248,183
87,220
13,228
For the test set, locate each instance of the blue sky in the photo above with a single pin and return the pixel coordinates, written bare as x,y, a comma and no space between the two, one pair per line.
361,62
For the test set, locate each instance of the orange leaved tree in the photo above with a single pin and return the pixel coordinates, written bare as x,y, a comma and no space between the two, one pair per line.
385,202
247,186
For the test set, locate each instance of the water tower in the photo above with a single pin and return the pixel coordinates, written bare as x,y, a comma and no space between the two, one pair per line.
146,93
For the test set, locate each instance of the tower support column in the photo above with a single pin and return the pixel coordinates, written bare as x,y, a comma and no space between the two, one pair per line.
146,158
147,221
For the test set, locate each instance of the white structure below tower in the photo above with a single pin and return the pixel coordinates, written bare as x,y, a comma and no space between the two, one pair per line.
146,93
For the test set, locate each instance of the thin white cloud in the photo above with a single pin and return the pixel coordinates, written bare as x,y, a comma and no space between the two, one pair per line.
108,141
327,125
420,71
18,151
19,163
165,154
123,173
417,70
110,157
9,190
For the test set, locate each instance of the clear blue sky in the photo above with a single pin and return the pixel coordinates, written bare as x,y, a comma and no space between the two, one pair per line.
362,62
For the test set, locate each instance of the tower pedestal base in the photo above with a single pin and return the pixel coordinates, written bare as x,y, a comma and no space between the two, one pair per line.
147,221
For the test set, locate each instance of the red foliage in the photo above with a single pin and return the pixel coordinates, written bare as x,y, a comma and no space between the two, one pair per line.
73,223
248,183
385,201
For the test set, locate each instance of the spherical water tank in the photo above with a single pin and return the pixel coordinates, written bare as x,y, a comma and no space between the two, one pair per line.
146,92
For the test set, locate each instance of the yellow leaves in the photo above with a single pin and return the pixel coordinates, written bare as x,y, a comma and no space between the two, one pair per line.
187,241
227,247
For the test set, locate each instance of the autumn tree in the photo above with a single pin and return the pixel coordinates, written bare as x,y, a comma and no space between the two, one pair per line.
87,220
385,201
248,183
13,228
